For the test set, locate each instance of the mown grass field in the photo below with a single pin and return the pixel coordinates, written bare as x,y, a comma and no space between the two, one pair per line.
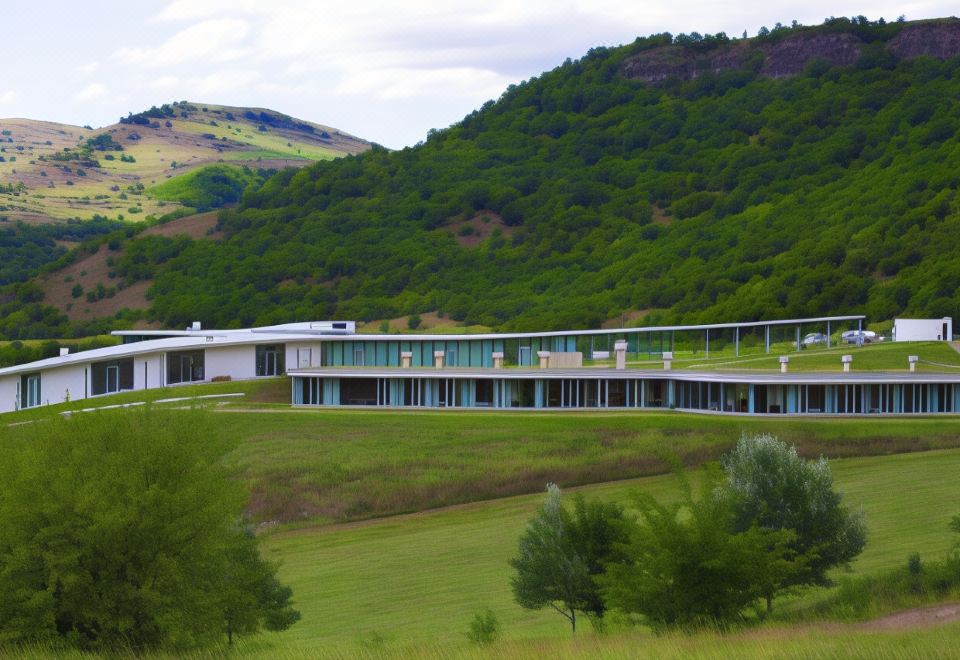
420,578
323,466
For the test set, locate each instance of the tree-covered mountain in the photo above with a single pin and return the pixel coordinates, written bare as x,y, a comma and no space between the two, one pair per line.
694,178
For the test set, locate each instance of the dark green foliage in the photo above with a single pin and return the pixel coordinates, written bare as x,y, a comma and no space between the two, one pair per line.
827,192
686,566
24,248
143,118
562,554
103,142
127,536
769,486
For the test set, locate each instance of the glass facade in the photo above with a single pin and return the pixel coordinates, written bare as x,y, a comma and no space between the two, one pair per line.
110,377
270,358
600,392
185,367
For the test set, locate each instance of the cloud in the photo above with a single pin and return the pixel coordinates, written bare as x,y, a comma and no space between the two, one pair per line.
210,85
217,40
88,68
92,92
398,83
7,97
187,10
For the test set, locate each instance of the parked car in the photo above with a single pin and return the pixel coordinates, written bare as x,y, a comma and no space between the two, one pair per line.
814,338
859,336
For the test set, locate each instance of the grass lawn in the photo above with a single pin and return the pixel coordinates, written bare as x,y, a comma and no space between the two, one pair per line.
321,466
421,578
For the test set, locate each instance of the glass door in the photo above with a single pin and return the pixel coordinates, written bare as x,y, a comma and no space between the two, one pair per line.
113,378
33,391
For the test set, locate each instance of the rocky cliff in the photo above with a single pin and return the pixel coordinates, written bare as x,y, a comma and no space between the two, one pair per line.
791,54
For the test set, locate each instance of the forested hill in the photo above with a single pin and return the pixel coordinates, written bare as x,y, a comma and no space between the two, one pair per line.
714,193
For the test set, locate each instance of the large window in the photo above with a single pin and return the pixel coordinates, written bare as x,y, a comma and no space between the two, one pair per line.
110,377
184,367
270,359
30,390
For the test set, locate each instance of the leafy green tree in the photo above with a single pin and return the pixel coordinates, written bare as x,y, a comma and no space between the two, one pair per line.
123,530
561,554
769,486
685,566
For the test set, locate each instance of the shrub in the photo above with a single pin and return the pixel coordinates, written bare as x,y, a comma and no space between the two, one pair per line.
484,628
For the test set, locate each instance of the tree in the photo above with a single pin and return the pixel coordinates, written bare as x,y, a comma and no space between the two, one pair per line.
561,554
124,530
771,487
684,565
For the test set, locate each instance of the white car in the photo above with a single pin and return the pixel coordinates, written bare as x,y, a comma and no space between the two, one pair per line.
814,338
859,336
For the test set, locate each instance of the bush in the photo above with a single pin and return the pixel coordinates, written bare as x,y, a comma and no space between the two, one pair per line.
484,628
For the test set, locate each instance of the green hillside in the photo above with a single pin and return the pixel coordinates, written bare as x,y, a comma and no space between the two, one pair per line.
688,179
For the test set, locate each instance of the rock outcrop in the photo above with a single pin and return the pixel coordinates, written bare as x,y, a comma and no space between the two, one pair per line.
790,55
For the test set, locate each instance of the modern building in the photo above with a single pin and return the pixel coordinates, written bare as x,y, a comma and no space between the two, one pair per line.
330,364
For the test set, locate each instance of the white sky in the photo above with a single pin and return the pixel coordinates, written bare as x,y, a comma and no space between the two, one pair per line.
385,71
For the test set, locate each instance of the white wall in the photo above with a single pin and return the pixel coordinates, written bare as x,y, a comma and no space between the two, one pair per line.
8,393
55,382
153,373
292,355
922,329
238,362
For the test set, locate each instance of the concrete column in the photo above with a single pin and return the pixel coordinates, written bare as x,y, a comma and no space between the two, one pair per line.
406,358
438,357
766,335
621,351
667,359
497,359
913,359
846,360
784,361
544,358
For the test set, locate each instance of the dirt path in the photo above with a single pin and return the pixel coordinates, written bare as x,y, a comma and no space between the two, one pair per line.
920,617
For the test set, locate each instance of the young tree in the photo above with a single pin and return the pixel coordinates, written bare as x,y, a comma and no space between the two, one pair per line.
561,553
684,565
769,486
122,529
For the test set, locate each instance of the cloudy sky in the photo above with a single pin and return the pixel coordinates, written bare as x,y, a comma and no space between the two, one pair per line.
386,71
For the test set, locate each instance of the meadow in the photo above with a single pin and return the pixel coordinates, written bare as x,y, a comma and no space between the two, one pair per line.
419,579
394,528
306,467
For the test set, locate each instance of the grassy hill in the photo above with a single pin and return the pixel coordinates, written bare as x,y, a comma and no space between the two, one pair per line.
73,172
65,186
370,582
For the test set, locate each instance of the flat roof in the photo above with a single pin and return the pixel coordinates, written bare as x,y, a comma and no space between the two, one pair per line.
755,377
195,341
312,331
